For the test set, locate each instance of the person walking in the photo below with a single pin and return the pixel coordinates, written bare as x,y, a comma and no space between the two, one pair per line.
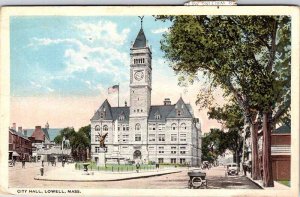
138,167
23,163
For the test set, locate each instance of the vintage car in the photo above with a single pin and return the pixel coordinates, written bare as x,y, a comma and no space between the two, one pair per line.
232,169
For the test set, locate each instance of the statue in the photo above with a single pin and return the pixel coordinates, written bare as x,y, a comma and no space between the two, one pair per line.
102,139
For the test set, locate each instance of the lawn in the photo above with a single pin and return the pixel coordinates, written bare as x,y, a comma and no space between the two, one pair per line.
115,167
285,182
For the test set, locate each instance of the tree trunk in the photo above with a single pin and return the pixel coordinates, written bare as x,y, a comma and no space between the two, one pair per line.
254,155
267,160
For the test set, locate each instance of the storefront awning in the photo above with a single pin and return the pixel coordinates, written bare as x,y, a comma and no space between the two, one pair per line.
15,154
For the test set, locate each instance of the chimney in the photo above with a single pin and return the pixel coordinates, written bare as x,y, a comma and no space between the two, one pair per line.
125,103
38,127
167,101
14,127
20,129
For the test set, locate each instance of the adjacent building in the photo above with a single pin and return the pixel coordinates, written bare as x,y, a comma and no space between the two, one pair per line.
20,146
166,133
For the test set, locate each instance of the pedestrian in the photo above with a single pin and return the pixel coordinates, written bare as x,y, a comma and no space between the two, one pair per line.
43,163
42,170
137,167
23,163
244,168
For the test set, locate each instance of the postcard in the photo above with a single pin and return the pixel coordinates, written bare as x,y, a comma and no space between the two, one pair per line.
150,101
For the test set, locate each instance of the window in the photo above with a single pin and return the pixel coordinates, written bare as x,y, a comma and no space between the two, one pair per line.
161,127
182,137
161,137
105,128
161,149
182,152
151,137
173,137
97,149
118,128
124,147
124,127
102,114
137,137
173,126
127,128
182,147
121,117
173,160
97,128
125,138
183,126
160,160
151,147
157,116
97,138
173,152
182,160
178,113
137,127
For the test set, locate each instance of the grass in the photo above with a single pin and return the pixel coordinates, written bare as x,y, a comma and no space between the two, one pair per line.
114,167
285,182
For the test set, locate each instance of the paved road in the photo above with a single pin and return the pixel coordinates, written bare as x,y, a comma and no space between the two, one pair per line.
24,178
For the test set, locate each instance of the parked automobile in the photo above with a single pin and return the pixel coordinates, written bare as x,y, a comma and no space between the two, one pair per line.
232,169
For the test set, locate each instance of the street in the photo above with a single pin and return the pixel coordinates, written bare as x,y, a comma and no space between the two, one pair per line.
216,179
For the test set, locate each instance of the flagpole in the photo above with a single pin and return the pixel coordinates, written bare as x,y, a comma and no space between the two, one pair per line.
118,94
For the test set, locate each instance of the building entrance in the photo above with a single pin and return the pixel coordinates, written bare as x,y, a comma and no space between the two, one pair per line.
137,154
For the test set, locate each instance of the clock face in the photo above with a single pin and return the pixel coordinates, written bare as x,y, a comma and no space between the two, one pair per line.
139,75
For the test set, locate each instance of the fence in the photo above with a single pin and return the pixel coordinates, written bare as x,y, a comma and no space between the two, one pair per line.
115,168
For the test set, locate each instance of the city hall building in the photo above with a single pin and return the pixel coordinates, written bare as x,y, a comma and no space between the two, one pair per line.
141,132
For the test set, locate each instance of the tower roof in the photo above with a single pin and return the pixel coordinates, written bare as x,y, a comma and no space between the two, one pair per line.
140,41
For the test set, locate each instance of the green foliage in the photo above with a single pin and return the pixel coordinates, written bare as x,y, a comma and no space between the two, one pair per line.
79,141
247,56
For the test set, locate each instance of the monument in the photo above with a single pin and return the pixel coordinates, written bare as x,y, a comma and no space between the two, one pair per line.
101,161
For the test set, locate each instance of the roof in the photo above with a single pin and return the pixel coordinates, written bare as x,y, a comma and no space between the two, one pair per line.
164,111
52,132
140,41
284,129
38,134
180,106
20,134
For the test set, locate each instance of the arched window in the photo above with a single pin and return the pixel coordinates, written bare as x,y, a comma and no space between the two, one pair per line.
137,127
105,128
183,126
97,128
157,116
173,126
121,117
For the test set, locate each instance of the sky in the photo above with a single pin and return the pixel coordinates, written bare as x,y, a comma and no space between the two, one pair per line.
62,66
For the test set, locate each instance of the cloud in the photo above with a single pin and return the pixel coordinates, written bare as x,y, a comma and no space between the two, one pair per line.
160,30
103,31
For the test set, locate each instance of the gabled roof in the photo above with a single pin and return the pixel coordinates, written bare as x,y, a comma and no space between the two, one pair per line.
183,108
140,41
106,108
20,134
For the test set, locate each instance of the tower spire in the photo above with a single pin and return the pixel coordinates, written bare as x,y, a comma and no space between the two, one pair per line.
141,17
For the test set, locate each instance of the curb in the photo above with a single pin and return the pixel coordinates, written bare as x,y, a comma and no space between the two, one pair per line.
117,179
257,184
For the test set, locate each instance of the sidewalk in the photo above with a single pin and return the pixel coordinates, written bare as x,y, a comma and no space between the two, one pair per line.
277,186
68,173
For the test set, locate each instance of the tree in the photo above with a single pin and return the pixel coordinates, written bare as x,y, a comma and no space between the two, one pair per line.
247,56
213,145
79,141
231,117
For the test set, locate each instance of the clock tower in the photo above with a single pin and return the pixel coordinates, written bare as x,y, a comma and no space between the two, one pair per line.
140,76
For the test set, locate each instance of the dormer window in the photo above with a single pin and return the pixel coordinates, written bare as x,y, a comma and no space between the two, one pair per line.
102,114
121,117
179,113
157,116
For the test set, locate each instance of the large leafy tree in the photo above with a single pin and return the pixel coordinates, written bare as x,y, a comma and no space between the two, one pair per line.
231,117
79,141
213,145
247,56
